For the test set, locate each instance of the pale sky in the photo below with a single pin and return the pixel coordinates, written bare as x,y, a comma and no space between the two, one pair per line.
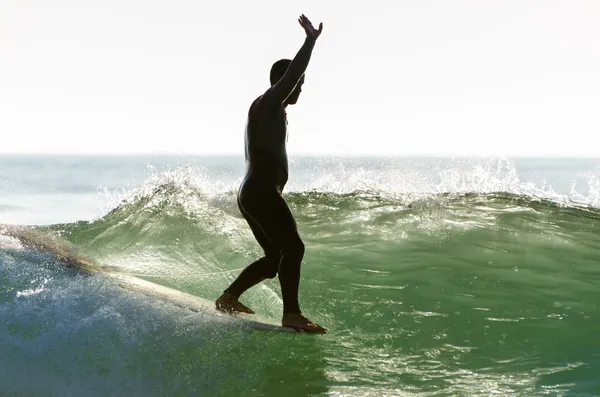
510,77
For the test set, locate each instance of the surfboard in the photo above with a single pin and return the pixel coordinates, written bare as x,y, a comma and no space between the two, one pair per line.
195,303
67,254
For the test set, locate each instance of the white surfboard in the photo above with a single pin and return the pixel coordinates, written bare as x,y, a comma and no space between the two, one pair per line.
68,254
195,303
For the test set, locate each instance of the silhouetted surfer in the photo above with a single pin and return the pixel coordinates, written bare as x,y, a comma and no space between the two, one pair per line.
259,197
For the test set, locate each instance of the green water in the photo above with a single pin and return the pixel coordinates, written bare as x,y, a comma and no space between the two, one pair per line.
476,294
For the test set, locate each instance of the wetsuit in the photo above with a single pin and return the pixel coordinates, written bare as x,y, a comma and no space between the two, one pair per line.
262,205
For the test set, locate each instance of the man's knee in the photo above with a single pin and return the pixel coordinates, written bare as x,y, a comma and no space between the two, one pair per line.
272,265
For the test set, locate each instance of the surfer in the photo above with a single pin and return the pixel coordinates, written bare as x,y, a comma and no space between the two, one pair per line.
260,195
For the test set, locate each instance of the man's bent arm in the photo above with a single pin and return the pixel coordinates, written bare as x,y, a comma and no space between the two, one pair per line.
284,87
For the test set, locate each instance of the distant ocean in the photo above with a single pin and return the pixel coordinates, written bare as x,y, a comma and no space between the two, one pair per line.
434,277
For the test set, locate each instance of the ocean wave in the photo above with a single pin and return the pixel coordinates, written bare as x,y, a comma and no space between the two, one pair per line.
457,290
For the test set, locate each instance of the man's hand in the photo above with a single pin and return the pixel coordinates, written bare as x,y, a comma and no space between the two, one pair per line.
309,28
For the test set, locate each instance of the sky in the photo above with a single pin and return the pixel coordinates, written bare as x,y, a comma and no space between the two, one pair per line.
510,77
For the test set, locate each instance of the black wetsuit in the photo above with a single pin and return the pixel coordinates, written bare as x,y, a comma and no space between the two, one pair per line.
262,205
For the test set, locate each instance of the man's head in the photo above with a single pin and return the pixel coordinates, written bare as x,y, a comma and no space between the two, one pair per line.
277,71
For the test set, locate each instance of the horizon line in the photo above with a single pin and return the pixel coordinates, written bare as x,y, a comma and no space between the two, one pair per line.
229,154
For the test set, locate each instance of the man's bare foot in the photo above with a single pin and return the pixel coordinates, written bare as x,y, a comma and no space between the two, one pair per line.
230,304
301,324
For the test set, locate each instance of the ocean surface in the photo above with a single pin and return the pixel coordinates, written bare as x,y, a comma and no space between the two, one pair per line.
434,277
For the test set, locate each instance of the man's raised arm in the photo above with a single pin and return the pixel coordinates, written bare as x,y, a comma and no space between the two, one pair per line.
284,87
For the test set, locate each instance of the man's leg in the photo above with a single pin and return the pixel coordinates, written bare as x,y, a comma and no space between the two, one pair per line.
278,224
263,268
257,271
271,214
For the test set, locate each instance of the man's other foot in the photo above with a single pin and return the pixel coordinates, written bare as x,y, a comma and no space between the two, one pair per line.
229,304
301,324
